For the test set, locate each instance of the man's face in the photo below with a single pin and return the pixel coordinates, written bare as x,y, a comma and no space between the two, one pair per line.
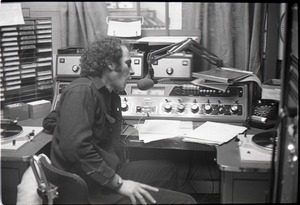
121,73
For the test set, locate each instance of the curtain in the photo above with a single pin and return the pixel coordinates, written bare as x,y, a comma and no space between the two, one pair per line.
232,31
82,22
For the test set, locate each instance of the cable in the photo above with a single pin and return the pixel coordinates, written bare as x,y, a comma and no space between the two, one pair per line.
211,177
129,134
138,123
192,176
127,125
188,174
124,130
212,180
137,126
191,172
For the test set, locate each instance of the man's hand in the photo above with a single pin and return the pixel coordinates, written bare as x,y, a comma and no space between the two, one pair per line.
135,190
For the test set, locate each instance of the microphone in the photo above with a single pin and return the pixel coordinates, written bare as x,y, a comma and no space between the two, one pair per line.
148,81
145,83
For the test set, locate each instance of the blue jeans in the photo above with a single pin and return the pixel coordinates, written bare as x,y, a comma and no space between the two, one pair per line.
157,173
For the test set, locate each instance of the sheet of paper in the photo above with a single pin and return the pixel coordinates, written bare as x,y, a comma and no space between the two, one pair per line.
194,140
253,78
215,132
211,84
11,14
153,130
124,29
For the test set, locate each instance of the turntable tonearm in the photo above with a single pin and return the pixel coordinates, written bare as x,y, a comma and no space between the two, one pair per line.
13,136
257,148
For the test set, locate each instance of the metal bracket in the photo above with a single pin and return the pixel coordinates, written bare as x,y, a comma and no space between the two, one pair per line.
45,189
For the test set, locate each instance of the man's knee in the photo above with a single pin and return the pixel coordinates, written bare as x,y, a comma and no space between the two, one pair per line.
187,199
165,196
182,198
168,167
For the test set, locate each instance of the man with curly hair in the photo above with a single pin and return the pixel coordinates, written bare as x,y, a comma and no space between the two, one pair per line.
87,128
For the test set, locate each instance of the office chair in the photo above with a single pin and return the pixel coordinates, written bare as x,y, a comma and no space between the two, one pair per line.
56,186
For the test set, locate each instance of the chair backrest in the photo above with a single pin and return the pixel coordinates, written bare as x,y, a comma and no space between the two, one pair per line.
65,187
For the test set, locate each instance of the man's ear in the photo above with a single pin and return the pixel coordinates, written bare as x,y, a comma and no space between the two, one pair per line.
112,66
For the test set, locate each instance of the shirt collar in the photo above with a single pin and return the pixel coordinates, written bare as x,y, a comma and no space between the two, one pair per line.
97,82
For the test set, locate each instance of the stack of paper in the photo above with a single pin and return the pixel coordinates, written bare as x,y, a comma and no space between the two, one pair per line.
208,133
153,130
221,78
210,84
214,133
223,75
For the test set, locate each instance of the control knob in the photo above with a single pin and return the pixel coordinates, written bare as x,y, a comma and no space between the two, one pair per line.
208,108
234,109
168,107
124,105
195,108
169,71
138,109
181,107
221,108
75,68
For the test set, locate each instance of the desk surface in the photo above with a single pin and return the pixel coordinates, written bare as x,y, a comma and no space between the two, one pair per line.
132,140
228,157
228,154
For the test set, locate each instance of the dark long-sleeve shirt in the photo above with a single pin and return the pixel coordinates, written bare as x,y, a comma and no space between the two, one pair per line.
86,139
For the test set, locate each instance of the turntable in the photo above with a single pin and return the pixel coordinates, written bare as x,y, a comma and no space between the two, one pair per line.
257,148
14,136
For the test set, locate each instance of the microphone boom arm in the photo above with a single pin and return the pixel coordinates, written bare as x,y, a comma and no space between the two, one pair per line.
189,43
206,54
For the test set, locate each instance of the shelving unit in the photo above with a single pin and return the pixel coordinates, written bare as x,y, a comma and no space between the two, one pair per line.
26,61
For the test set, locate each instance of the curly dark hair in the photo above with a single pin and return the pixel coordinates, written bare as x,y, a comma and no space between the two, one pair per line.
100,53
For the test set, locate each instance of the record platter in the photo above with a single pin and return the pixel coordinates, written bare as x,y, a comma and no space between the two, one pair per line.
257,148
14,136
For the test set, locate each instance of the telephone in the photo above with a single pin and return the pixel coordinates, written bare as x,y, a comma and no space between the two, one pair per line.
264,114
